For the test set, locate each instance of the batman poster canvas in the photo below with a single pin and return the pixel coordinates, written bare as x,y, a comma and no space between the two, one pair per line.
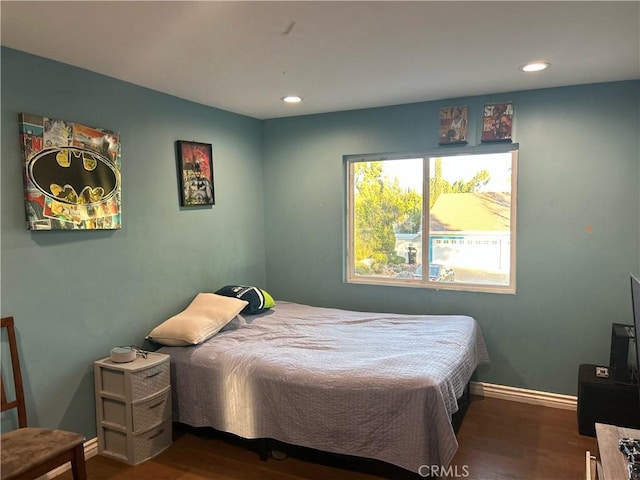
71,175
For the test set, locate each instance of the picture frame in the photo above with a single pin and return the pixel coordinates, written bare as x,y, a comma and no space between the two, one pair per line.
454,125
195,170
71,173
497,122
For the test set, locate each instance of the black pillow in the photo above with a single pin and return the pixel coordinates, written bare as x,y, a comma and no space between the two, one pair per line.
255,296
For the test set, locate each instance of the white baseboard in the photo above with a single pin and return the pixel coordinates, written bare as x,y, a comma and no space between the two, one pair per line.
90,450
523,395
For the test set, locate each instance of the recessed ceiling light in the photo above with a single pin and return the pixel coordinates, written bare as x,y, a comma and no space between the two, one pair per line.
292,99
535,66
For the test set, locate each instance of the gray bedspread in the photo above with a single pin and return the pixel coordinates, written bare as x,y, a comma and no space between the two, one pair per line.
374,385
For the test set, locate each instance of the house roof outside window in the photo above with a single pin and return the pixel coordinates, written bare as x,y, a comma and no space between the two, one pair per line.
489,211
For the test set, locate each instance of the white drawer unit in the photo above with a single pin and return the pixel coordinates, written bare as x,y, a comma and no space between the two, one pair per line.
133,407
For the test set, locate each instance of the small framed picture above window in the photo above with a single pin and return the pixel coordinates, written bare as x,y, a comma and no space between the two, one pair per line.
454,125
195,168
497,122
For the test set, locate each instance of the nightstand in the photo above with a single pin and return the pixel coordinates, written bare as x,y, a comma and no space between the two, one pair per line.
133,407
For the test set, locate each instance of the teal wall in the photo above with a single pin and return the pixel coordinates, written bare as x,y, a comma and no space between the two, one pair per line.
579,165
280,183
75,295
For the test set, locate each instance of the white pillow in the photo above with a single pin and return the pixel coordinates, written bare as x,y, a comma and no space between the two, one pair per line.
202,319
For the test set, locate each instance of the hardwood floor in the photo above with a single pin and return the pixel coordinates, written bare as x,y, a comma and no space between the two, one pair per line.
499,440
503,440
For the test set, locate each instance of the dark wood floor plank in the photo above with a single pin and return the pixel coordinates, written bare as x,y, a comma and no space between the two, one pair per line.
499,440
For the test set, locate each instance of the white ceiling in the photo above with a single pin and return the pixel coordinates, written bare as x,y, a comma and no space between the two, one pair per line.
245,56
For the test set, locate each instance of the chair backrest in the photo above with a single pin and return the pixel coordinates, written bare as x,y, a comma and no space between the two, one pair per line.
16,375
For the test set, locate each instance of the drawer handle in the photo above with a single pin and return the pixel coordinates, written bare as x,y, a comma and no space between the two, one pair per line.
156,434
154,374
156,405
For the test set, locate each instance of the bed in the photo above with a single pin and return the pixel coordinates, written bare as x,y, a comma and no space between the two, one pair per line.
374,385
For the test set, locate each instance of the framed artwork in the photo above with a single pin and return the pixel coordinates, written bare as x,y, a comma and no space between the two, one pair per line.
195,165
497,122
71,175
454,125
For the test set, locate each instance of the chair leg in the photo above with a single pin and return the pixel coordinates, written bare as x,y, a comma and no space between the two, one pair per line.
78,464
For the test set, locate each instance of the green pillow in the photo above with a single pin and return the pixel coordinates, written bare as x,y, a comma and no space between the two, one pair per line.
269,302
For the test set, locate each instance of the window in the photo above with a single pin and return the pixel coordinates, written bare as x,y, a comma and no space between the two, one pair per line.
455,214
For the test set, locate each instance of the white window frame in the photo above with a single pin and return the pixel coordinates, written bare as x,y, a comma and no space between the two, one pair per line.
349,250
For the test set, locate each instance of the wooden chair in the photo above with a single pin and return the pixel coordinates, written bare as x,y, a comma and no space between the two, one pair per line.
28,453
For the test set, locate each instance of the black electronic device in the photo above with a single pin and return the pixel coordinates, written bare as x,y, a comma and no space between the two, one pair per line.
635,302
612,395
622,360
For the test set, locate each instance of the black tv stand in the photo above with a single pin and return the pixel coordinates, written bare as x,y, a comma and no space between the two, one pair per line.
603,400
622,336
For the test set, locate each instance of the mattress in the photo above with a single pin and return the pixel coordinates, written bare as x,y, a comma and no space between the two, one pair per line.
373,385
